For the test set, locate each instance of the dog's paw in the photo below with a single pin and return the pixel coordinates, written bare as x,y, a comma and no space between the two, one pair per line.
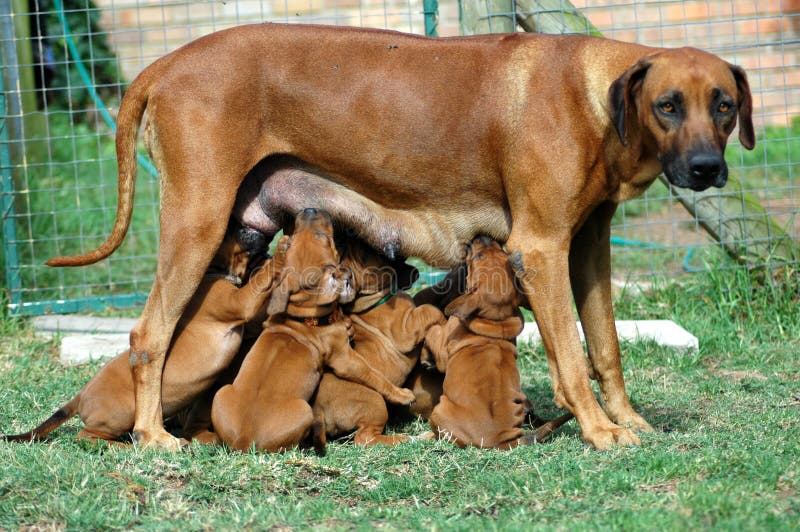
633,421
157,440
614,436
427,360
425,436
403,396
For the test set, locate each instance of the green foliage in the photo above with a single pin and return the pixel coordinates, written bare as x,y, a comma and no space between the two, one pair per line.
67,89
777,152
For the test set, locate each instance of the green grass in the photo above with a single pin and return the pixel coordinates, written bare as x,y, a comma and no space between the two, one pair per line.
66,204
725,454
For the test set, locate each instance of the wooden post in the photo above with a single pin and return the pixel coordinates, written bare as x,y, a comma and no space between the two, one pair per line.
27,128
731,216
487,16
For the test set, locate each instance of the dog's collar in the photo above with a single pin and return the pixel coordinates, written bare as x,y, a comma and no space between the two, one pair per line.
367,303
318,321
507,329
234,279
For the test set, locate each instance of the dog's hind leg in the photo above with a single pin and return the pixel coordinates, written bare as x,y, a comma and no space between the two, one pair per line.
197,196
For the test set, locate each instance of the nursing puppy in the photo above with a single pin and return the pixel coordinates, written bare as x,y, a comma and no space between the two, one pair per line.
388,330
482,403
207,339
267,406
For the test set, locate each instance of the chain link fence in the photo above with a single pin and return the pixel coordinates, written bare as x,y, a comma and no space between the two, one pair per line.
66,63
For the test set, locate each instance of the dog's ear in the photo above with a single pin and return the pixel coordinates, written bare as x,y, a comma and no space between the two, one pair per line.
745,105
621,94
279,299
517,273
464,306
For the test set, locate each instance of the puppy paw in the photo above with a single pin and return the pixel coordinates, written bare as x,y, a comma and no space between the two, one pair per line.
402,396
425,436
427,360
279,259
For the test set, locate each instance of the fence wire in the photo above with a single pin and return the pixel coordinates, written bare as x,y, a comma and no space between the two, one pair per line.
66,63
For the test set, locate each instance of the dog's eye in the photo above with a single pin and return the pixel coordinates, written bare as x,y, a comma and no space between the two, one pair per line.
724,107
667,107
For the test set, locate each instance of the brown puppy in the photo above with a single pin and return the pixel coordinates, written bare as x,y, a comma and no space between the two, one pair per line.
207,339
267,406
482,404
427,384
387,330
419,145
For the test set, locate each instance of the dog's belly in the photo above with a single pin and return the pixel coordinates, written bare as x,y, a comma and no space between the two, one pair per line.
274,192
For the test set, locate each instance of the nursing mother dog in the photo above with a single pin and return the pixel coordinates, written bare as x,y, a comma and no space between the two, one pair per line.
419,144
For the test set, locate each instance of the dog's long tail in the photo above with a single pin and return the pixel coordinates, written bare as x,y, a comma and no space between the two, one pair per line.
49,425
545,429
128,120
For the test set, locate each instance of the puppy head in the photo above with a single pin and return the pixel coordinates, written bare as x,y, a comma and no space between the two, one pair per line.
241,250
311,276
491,291
372,271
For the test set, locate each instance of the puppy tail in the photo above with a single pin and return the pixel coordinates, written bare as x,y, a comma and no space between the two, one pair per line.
50,424
318,437
546,429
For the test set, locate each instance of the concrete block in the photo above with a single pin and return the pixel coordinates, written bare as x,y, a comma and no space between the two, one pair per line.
82,348
663,332
66,324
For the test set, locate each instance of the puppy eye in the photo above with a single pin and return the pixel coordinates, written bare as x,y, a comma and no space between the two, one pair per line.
667,107
724,107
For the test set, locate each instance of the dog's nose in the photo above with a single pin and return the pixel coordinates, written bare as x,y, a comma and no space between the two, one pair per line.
705,165
310,211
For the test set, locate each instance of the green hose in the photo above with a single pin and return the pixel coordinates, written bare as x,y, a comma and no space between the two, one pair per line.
87,80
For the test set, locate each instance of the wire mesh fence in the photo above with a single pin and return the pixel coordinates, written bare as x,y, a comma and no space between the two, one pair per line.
66,64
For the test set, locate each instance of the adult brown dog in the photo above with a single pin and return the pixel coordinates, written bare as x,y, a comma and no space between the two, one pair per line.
420,144
387,331
267,406
206,340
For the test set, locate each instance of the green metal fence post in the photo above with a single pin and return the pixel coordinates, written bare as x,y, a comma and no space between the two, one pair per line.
430,9
7,216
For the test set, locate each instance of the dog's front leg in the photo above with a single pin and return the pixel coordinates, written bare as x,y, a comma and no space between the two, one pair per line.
590,276
434,352
347,364
416,323
246,303
545,260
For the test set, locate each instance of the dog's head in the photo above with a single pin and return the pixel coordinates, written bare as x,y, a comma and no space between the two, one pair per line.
686,103
491,289
241,250
372,271
311,277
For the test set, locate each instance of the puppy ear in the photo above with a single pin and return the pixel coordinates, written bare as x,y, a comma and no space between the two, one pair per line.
464,306
279,299
621,94
745,105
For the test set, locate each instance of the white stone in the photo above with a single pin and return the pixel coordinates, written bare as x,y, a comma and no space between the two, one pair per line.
65,324
83,348
663,332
